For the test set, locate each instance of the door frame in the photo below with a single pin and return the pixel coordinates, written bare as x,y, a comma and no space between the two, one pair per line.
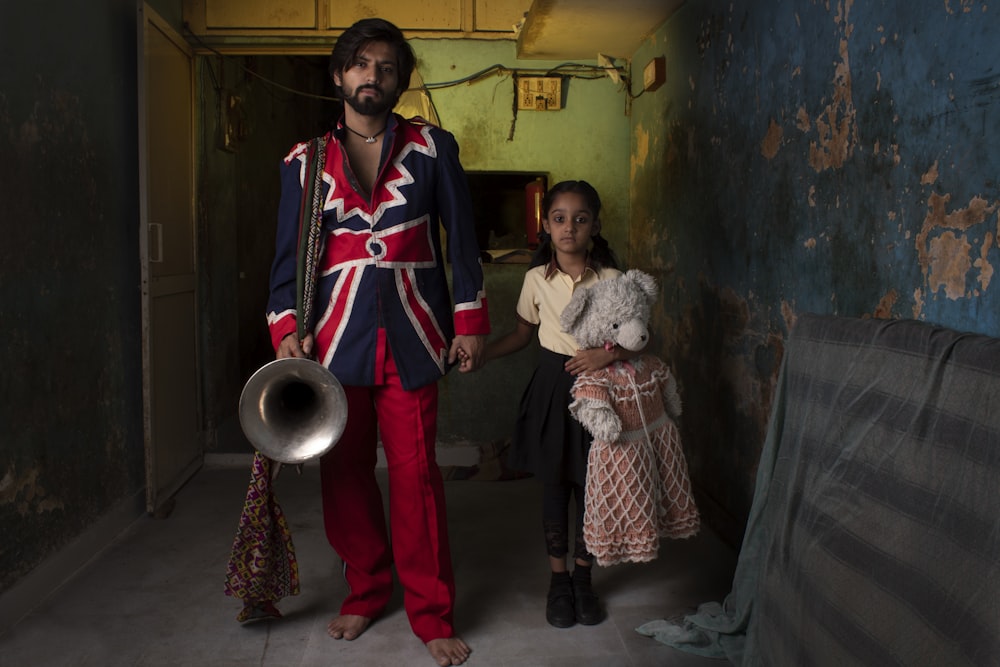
159,497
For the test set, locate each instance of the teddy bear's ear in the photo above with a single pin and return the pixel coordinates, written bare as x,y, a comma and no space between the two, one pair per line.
644,282
574,309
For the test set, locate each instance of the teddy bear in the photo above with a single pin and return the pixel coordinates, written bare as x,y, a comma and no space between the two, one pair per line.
637,485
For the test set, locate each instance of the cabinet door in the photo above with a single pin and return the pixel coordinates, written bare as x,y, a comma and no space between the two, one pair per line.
499,15
260,14
412,15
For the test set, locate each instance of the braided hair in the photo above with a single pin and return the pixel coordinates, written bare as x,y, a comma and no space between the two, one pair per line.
601,254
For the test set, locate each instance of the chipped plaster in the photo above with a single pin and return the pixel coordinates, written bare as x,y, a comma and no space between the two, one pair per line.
772,140
641,150
944,248
885,304
24,492
836,124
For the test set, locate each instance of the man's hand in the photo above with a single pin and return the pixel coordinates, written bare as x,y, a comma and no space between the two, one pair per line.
290,347
469,351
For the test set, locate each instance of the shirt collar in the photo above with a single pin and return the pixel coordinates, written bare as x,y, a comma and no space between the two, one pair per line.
553,267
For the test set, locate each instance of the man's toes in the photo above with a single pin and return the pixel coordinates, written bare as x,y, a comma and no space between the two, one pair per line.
347,627
450,651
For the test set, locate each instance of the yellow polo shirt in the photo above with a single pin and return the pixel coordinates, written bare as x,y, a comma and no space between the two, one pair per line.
544,295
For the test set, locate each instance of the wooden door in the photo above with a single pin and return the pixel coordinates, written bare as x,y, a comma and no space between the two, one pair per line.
174,448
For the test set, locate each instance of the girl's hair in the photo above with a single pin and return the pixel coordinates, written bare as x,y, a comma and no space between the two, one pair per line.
601,255
363,33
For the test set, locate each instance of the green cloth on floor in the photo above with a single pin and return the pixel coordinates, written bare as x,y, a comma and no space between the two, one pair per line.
874,534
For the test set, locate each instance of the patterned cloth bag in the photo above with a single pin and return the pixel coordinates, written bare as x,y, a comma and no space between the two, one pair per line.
262,566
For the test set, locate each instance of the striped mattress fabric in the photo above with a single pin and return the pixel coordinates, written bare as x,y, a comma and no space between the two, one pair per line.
882,539
874,533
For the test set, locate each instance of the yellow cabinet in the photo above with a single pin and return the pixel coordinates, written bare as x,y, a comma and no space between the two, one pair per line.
264,14
244,21
410,15
499,15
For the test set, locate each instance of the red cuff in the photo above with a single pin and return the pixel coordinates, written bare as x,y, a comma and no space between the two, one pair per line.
473,321
281,328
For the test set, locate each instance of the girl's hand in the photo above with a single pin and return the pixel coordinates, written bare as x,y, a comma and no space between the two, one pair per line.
593,359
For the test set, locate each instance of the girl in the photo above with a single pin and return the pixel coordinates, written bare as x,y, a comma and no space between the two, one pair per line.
548,441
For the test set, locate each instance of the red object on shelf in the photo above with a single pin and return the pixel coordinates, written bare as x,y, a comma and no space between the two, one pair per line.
533,193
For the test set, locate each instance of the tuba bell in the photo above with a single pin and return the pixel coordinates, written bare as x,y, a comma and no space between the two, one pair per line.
293,409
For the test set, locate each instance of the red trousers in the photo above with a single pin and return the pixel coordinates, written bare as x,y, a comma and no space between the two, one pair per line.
354,515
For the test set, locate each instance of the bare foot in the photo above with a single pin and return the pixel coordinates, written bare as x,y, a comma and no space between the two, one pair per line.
449,651
348,626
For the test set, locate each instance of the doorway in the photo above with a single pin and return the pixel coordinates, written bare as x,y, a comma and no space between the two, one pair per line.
171,397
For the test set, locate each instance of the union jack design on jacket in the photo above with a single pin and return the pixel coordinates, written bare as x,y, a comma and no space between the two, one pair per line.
381,263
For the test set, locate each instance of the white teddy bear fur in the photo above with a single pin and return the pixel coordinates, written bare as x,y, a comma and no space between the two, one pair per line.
615,312
637,488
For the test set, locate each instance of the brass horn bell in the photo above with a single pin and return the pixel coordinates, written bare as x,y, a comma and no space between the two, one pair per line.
293,409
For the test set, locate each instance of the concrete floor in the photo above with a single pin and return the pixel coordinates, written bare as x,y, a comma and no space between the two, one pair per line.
155,596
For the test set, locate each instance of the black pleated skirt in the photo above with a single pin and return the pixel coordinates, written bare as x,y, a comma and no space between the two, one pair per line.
548,442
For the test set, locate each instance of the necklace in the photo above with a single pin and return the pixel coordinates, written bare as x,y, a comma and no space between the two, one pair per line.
368,140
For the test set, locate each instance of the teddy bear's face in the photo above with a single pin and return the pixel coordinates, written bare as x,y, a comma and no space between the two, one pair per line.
614,311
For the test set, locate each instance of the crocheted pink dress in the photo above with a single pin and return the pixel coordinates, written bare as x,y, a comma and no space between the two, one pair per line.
638,489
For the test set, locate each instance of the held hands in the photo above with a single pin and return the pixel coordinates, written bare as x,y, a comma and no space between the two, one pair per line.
469,351
290,347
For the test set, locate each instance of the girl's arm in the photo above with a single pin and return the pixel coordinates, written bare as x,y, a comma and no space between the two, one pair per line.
511,342
597,358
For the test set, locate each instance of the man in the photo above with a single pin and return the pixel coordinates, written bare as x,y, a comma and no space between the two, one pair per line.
383,324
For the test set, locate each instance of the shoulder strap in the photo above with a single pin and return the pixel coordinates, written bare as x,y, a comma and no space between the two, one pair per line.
310,236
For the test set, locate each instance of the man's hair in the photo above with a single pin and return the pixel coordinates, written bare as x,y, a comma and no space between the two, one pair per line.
366,31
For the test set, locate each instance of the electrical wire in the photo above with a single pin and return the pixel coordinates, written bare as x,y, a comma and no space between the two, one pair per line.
570,70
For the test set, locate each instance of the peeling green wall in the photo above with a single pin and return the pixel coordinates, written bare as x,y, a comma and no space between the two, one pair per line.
832,157
588,139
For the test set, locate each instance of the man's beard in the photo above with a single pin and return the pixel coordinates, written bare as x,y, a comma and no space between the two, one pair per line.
370,106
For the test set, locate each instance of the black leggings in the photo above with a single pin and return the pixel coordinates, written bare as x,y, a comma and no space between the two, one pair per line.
555,520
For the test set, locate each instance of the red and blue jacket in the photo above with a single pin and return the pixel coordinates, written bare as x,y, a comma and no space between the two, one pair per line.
381,265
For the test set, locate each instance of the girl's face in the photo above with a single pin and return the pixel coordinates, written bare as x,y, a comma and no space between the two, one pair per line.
570,223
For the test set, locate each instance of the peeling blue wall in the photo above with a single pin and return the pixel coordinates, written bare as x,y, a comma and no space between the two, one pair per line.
832,157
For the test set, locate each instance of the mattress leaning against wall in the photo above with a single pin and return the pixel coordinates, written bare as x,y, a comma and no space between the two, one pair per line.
874,534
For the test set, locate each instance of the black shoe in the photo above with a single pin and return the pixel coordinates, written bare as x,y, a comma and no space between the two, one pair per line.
587,606
559,606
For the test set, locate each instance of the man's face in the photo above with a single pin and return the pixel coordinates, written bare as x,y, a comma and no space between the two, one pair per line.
369,84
